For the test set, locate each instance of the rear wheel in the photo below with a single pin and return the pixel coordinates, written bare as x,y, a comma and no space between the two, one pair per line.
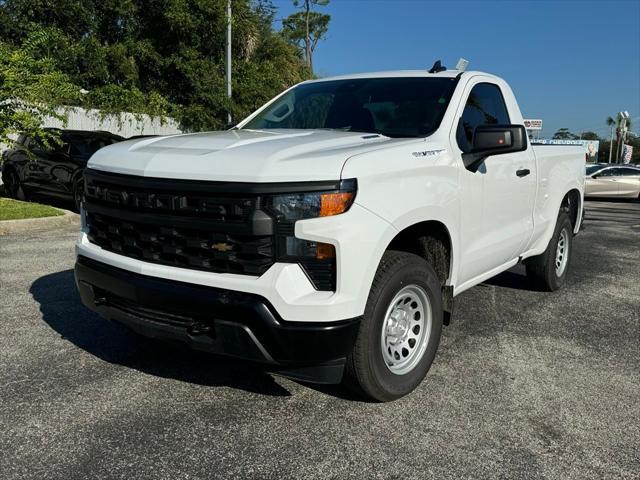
399,331
549,270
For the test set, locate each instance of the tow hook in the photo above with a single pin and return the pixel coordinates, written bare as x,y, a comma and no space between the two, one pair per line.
199,328
100,301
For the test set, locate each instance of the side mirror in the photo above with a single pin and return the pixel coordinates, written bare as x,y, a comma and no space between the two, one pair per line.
494,140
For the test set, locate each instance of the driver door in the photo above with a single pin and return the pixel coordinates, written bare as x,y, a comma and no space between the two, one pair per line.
497,200
604,183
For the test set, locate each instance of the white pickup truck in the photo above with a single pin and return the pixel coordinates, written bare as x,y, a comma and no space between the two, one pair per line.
327,234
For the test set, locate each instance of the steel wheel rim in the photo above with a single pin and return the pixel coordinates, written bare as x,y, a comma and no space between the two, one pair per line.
562,252
406,329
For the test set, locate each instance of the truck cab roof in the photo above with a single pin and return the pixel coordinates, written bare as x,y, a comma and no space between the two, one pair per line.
401,73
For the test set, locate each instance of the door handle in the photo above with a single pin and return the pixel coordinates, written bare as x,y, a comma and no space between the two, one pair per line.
523,172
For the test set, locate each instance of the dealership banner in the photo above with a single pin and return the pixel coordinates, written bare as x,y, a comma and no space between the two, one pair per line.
627,153
532,124
590,146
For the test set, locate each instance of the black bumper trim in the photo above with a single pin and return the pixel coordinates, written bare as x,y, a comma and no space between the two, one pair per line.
216,320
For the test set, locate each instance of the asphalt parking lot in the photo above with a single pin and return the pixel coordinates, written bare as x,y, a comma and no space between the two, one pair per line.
526,384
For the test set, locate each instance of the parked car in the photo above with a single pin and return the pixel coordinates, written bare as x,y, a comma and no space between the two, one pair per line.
613,181
327,234
594,167
138,137
53,171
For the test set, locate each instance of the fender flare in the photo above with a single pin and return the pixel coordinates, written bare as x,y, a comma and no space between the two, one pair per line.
430,214
546,238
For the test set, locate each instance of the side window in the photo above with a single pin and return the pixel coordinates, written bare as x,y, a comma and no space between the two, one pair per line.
609,172
629,172
485,106
38,145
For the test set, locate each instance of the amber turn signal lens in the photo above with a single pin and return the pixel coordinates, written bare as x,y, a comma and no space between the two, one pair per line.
335,203
325,251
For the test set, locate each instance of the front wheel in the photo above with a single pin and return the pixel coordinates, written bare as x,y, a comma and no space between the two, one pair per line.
549,270
12,186
399,331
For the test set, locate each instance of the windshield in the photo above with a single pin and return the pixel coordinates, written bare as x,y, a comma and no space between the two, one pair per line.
394,107
594,168
85,145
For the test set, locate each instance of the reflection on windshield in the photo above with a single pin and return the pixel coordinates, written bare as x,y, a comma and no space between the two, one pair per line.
394,107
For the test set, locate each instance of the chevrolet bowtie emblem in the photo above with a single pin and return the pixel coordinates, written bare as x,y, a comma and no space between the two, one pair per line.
221,247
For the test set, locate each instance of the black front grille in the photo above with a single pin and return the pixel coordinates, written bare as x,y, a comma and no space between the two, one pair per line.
178,223
228,209
182,247
212,226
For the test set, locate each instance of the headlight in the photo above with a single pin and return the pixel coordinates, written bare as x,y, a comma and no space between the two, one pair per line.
317,259
298,206
295,206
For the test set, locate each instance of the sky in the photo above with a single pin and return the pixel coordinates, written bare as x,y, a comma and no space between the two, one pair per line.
570,63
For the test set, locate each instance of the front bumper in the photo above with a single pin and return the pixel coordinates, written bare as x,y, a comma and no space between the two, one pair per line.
217,320
359,236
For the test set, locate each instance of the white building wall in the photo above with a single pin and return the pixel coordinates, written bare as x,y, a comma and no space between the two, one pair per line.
125,124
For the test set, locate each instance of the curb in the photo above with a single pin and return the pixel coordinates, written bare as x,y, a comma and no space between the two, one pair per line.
33,224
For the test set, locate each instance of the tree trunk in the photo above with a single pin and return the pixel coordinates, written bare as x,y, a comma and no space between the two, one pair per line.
307,38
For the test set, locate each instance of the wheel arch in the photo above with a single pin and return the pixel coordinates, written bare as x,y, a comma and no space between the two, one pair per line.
77,174
572,204
430,239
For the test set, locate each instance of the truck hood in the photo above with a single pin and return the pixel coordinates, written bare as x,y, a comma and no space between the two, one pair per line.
239,155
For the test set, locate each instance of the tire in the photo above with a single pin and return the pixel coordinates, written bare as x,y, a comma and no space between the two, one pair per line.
78,193
548,270
377,367
11,182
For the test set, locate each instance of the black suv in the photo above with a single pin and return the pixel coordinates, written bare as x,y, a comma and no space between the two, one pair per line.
55,171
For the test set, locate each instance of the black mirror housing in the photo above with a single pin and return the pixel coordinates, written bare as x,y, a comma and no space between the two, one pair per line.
491,140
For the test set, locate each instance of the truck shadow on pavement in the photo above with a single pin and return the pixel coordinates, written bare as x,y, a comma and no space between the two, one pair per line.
515,278
63,311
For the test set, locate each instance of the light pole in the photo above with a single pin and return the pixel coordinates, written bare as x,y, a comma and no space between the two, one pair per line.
611,142
228,76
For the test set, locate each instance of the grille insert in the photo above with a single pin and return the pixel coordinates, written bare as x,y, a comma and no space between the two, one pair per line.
182,247
229,209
